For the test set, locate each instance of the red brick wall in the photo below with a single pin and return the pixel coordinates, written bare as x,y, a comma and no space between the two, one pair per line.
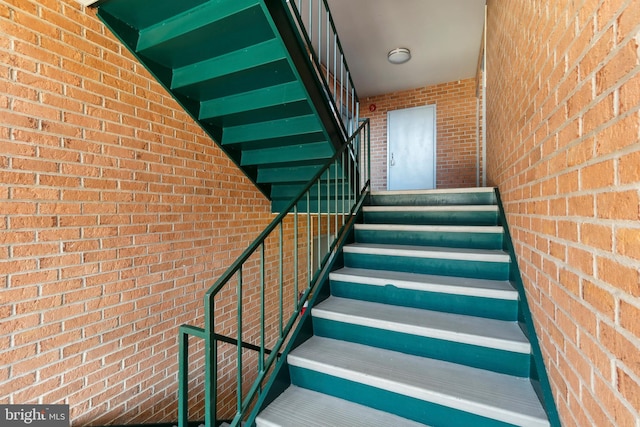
457,130
116,213
563,101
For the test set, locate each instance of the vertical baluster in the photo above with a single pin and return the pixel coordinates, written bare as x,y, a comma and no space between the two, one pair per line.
281,278
343,193
347,124
328,208
239,344
341,85
319,257
328,41
335,198
310,29
335,68
262,304
295,256
350,161
319,52
309,240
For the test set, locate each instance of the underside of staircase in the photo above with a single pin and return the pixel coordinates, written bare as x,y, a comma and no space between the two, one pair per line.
242,71
418,324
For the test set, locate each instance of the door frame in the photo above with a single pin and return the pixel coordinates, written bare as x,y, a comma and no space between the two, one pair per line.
435,140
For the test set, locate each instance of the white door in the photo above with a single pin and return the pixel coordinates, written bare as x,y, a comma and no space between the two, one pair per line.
411,148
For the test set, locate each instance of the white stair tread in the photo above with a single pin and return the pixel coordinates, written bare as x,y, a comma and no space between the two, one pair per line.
485,255
500,289
490,333
432,228
435,191
297,407
439,208
489,394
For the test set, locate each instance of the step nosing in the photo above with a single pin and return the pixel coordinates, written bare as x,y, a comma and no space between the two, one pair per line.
426,331
434,191
440,284
477,395
461,254
433,228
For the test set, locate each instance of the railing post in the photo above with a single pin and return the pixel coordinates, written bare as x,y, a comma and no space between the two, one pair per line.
183,379
210,365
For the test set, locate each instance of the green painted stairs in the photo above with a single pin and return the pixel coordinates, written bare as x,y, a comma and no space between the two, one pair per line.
421,325
241,70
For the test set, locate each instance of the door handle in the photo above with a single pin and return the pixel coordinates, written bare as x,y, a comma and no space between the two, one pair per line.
393,161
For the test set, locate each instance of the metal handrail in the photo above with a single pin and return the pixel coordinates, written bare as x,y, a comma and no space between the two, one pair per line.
315,23
347,175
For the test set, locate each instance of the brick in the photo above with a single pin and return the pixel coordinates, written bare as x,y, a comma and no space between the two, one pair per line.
628,242
618,275
620,134
628,170
598,236
618,205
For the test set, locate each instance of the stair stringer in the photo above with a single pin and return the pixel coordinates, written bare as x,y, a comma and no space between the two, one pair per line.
539,376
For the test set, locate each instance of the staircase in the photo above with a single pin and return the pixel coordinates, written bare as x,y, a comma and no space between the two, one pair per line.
247,75
420,327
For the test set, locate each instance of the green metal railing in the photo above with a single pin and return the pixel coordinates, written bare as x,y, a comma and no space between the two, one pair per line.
315,24
320,212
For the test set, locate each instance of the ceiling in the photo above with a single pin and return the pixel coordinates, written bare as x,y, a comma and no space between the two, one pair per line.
444,37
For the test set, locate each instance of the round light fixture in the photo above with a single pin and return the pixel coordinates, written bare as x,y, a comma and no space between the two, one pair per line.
399,55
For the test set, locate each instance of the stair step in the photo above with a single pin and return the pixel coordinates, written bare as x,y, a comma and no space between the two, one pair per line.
445,215
297,407
449,393
437,197
254,56
283,128
457,236
475,263
477,297
252,101
285,155
496,345
191,20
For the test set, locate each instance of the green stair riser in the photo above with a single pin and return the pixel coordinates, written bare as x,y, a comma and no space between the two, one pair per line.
265,114
193,42
505,362
435,266
432,218
415,409
319,151
283,128
300,174
431,238
491,308
433,199
332,188
252,103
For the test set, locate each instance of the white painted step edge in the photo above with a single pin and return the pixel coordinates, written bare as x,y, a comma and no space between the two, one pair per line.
481,332
496,396
462,254
432,228
482,288
435,191
298,406
439,208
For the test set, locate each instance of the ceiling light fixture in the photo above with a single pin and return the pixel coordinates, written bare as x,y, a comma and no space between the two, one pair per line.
399,55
